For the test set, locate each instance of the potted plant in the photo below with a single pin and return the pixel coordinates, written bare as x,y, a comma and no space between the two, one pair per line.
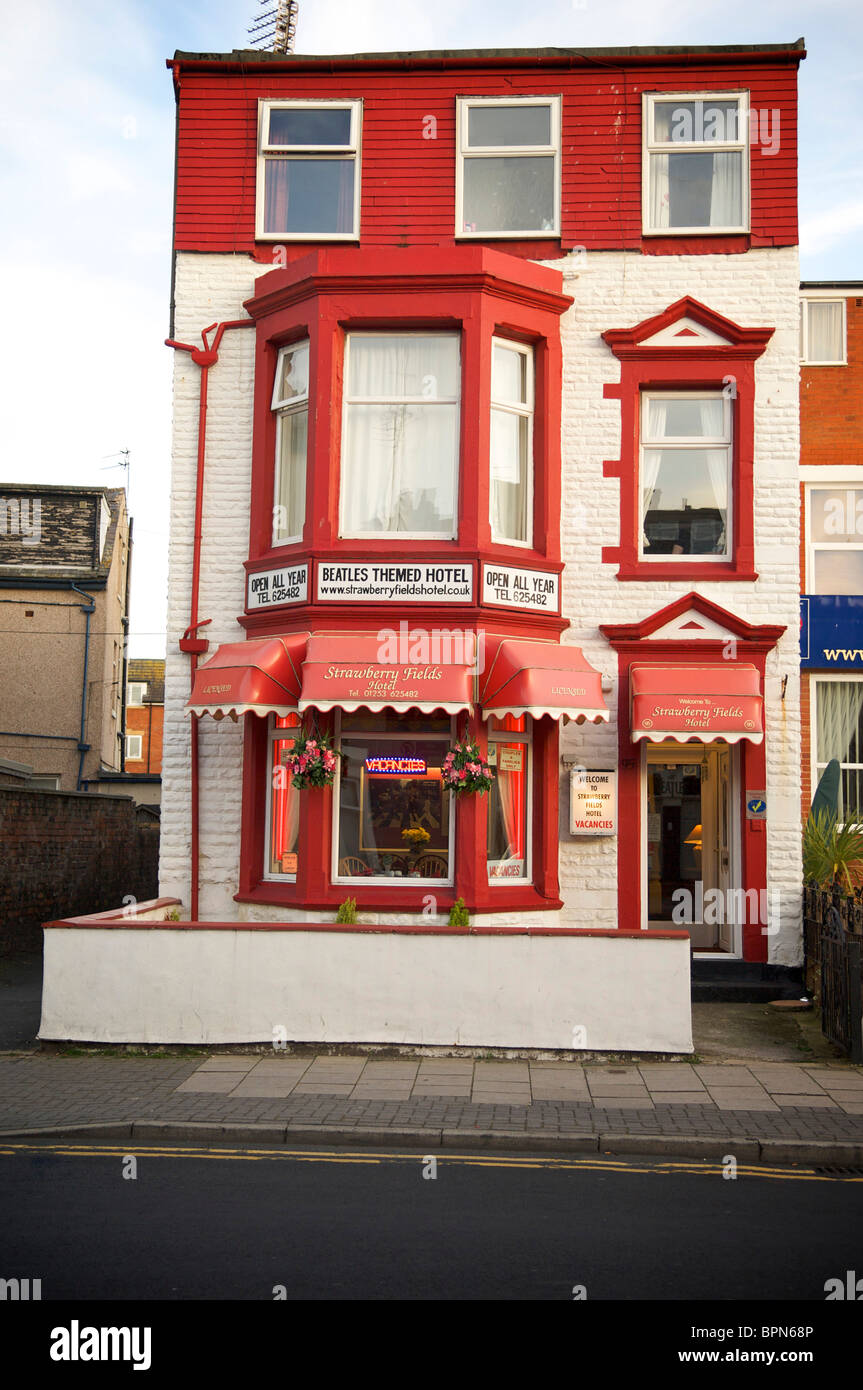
311,761
465,770
416,838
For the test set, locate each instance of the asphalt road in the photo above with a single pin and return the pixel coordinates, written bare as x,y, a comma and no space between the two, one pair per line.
336,1225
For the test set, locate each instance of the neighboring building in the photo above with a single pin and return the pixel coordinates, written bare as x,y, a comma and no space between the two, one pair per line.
484,340
831,551
64,603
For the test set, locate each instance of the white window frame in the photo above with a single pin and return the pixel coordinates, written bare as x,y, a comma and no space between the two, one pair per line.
523,411
374,880
293,405
696,442
464,151
140,686
347,400
817,678
134,739
822,297
813,546
273,733
267,151
497,736
649,146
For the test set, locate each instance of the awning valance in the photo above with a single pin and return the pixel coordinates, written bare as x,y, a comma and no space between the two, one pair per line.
539,678
260,677
706,703
346,671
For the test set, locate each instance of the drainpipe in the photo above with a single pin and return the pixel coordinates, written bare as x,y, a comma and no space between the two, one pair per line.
83,747
205,358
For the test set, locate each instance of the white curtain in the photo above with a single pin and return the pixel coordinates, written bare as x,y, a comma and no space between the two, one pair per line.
840,706
657,428
291,490
660,191
825,332
726,207
712,425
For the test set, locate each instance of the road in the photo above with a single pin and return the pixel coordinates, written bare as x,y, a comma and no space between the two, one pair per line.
241,1224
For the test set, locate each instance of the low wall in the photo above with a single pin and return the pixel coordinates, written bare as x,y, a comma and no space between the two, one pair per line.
208,983
69,852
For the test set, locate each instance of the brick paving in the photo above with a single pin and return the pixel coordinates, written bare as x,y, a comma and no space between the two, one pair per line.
793,1102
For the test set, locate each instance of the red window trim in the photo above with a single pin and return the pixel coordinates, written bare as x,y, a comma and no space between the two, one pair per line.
709,367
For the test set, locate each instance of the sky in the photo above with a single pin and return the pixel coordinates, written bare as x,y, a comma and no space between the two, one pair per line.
86,183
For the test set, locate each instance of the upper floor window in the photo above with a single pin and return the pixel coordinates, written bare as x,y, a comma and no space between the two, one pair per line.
511,471
291,406
685,474
400,436
134,744
308,170
834,528
137,693
822,331
508,175
696,162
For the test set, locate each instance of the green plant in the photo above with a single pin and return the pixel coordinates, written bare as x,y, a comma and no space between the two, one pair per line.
173,915
466,770
311,761
826,798
458,914
347,911
832,852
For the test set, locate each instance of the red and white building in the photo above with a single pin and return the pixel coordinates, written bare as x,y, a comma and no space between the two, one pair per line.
491,350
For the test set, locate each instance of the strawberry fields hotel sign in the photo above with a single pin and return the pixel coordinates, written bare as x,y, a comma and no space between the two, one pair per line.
592,801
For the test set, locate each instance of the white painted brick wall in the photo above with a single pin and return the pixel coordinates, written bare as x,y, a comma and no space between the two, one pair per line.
611,290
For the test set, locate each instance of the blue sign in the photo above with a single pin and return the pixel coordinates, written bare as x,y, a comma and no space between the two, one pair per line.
831,632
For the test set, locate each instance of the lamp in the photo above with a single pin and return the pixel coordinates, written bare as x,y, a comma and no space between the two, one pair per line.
694,837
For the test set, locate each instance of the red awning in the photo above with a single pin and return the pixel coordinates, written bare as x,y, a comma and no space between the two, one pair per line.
346,671
257,677
705,703
540,678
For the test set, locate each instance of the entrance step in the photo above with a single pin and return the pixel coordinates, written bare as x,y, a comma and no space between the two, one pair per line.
744,982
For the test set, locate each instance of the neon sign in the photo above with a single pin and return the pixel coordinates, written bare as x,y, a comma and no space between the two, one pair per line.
397,767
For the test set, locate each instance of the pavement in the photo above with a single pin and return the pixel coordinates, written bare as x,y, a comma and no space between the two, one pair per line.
763,1085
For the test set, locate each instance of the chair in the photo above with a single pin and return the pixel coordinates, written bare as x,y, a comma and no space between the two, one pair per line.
432,866
353,867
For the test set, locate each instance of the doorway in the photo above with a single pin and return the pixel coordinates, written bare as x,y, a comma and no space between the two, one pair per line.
690,842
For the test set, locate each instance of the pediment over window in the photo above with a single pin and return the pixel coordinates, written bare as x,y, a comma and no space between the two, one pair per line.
688,326
692,618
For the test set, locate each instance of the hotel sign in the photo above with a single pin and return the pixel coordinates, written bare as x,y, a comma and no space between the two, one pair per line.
278,587
536,590
363,580
592,801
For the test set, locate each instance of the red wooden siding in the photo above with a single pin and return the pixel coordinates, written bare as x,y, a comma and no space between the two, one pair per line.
408,182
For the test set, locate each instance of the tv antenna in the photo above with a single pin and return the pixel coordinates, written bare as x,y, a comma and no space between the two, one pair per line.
276,28
125,463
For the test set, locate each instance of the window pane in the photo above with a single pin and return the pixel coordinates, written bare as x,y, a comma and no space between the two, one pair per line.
825,332
293,380
506,845
310,125
284,804
837,572
508,375
688,121
696,190
697,417
399,468
291,475
509,125
375,808
685,501
509,195
309,195
840,721
509,476
393,367
836,514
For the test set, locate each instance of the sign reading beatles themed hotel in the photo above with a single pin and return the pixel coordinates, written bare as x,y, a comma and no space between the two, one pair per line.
506,587
272,588
395,583
592,801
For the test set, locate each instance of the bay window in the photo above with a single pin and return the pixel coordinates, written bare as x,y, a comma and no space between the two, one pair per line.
290,404
400,436
511,453
696,162
838,723
685,474
308,170
835,530
508,175
509,801
283,801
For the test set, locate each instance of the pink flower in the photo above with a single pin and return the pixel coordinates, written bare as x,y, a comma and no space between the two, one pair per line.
462,775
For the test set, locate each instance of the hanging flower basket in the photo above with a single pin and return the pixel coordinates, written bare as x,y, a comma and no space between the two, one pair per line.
465,770
311,761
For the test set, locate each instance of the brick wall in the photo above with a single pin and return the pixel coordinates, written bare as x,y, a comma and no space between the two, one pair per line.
148,721
66,853
831,402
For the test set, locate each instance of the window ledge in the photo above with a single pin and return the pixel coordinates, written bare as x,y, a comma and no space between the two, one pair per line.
703,571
